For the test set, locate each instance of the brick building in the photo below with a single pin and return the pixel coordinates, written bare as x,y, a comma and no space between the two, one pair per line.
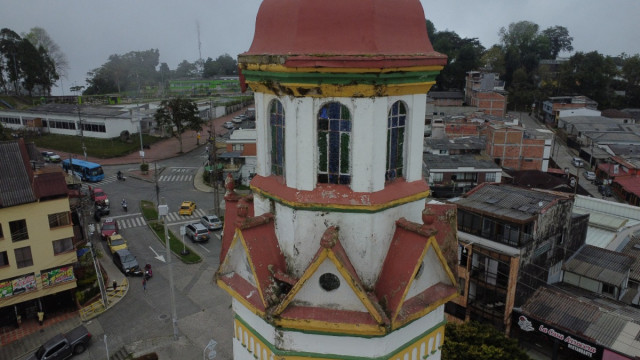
516,148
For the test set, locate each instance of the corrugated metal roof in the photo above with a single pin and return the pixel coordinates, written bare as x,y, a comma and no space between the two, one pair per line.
602,321
632,248
506,201
599,237
15,183
600,264
602,220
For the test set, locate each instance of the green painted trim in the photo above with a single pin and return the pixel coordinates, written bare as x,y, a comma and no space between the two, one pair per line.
341,78
279,352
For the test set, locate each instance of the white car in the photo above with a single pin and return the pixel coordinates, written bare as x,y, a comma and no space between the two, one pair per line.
211,222
589,175
50,156
237,119
228,125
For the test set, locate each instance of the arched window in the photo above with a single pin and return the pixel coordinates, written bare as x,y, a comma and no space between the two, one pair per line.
334,139
395,140
276,122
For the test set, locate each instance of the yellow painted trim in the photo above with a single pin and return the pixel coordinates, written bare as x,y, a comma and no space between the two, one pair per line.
396,311
359,292
240,298
346,207
298,285
424,311
331,90
285,69
328,327
434,243
253,270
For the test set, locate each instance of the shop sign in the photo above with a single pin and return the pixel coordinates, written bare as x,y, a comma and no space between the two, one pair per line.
6,289
23,284
570,342
57,276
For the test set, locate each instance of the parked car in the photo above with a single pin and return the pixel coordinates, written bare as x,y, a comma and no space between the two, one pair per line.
577,162
50,156
237,119
605,190
127,263
187,208
197,232
116,242
63,346
589,175
228,125
109,228
211,222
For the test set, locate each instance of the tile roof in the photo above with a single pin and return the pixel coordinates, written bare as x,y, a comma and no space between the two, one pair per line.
435,162
632,248
600,264
15,174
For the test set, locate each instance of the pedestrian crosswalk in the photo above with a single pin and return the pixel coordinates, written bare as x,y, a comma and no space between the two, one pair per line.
175,217
131,222
178,174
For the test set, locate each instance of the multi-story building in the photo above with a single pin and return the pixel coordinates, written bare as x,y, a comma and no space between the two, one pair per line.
517,148
36,235
453,175
552,106
511,241
486,92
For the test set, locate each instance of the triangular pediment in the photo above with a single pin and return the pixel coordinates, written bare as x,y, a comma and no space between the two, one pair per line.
429,273
237,260
330,292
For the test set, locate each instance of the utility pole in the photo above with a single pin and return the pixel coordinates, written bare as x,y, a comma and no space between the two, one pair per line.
213,163
88,235
163,210
84,148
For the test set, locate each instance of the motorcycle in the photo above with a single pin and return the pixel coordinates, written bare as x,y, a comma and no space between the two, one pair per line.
121,177
124,205
148,273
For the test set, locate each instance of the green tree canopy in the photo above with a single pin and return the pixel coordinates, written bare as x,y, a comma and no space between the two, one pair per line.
476,341
590,74
177,116
128,72
223,65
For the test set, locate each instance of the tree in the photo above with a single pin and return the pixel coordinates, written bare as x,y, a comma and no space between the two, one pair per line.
9,41
185,70
476,341
463,55
559,40
589,74
177,116
39,37
125,72
523,47
223,65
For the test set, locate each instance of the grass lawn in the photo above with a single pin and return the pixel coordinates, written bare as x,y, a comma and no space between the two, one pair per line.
176,244
100,148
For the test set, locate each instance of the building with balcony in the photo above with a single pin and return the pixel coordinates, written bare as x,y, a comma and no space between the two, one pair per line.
511,241
37,252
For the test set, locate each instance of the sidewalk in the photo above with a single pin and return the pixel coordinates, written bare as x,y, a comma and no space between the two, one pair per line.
18,343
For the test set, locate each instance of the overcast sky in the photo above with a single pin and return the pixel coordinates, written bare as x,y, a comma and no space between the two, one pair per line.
89,31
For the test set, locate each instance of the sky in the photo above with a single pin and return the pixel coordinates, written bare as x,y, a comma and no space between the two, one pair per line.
89,31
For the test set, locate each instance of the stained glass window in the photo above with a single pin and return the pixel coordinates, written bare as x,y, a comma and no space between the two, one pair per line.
395,140
334,141
276,122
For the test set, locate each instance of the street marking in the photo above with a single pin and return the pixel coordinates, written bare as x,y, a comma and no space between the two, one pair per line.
207,250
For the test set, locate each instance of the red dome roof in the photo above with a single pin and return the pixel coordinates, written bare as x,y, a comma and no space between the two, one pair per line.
341,27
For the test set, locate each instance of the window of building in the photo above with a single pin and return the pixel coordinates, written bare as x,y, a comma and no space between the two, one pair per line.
23,257
238,147
4,259
461,286
18,230
276,121
62,246
334,142
436,178
608,289
1,233
490,177
395,140
329,282
59,219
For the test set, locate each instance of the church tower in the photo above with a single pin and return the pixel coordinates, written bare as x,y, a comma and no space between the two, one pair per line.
335,255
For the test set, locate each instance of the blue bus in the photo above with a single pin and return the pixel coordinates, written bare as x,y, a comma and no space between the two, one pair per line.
85,170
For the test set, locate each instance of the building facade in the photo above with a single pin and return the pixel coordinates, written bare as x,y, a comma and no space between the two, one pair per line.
335,255
512,241
37,252
516,148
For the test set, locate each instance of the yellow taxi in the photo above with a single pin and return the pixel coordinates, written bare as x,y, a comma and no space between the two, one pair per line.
187,208
116,242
